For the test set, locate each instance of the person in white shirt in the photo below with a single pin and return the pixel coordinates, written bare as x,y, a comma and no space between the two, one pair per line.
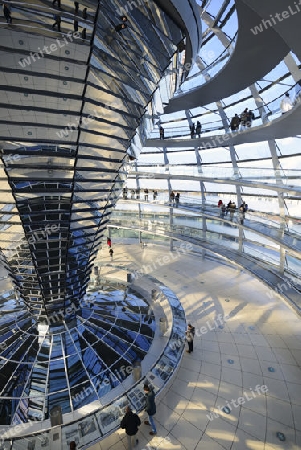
286,104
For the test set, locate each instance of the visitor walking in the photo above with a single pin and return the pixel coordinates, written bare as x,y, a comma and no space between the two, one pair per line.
111,252
7,13
57,22
130,423
150,408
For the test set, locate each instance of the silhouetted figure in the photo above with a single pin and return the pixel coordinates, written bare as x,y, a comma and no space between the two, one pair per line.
120,27
234,124
155,195
146,195
84,13
111,253
57,22
172,197
84,33
192,130
177,199
7,13
76,7
58,3
198,129
75,25
161,133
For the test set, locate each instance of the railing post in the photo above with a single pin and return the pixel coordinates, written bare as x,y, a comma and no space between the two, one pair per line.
171,224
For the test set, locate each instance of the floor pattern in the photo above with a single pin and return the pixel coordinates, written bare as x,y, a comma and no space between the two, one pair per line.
240,389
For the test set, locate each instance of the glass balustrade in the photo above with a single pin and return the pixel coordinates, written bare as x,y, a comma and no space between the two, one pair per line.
271,112
261,239
264,175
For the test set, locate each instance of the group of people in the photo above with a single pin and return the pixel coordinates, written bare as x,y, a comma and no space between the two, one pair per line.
131,421
243,121
231,208
109,243
174,199
135,193
195,130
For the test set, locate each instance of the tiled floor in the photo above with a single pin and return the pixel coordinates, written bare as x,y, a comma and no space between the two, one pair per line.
257,344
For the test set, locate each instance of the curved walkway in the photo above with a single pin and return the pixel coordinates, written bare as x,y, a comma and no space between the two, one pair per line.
243,68
235,180
288,239
261,269
287,25
288,125
246,339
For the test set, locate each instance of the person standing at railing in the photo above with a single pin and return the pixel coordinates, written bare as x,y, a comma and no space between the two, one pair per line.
232,209
177,199
250,118
192,130
286,104
172,198
244,119
223,210
161,132
198,129
234,124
